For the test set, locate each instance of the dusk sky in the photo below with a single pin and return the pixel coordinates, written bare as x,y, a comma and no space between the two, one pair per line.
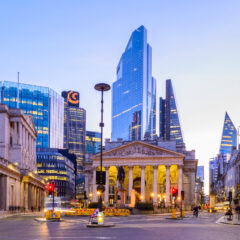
72,45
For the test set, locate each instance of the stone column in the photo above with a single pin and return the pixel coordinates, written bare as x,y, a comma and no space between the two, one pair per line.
168,186
19,133
26,197
94,193
143,183
155,168
192,181
130,184
180,180
15,136
87,183
106,196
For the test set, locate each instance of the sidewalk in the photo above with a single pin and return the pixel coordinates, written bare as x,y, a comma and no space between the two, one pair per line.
234,221
9,214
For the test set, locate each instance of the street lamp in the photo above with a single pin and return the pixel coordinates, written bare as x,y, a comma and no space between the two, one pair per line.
102,87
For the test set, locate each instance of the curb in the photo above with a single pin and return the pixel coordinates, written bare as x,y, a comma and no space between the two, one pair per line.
100,225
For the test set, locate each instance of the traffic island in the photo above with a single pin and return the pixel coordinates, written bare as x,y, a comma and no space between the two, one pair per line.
41,220
105,225
234,221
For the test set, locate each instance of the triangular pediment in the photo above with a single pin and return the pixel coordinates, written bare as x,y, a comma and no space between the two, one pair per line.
139,149
29,120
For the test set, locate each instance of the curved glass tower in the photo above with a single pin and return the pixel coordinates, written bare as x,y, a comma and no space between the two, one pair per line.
134,91
229,136
169,124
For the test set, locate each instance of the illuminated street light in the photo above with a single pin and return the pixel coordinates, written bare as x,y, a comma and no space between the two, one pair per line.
102,87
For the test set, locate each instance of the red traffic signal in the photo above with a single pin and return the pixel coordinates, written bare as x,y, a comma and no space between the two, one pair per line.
50,188
174,191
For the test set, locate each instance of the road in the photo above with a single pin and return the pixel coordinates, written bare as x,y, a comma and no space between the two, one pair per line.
149,227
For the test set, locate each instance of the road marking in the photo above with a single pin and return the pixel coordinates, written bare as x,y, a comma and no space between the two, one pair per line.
83,237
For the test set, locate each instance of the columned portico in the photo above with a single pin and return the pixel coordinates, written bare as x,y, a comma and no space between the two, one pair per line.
151,172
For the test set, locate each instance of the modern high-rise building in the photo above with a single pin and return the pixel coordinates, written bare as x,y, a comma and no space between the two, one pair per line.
93,142
45,105
57,168
229,136
74,127
200,173
169,124
134,91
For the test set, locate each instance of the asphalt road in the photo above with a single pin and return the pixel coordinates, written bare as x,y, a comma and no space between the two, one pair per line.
133,227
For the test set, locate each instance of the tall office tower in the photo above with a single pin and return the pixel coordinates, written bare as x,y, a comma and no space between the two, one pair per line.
93,142
45,105
58,167
200,173
134,91
74,128
169,124
229,136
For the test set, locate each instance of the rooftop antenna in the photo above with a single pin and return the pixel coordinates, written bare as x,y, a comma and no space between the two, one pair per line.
18,90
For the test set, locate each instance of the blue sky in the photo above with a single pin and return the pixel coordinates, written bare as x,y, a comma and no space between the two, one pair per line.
75,44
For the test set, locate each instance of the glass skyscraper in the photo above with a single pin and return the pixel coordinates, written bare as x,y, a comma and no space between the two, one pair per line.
45,105
229,136
58,169
169,124
93,142
134,91
74,127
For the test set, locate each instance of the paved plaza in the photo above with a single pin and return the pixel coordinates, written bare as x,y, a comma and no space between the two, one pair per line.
132,227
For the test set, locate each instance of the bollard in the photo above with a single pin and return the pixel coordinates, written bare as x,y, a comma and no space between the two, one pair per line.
174,215
182,214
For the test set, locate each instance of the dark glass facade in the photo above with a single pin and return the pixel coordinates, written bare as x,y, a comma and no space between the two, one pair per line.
229,136
93,142
200,173
74,128
169,124
134,91
44,104
56,168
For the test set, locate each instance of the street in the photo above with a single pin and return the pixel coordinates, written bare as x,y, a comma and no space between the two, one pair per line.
132,227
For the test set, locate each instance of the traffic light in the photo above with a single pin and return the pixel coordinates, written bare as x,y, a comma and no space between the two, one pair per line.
50,188
174,192
182,195
100,178
230,196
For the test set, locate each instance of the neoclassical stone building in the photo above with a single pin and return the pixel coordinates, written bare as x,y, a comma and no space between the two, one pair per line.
151,168
20,186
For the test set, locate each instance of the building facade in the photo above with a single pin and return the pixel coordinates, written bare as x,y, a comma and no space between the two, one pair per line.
150,167
229,136
20,186
43,104
58,169
93,142
134,91
169,124
75,134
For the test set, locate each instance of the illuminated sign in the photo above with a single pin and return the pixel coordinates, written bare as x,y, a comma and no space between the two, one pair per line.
73,98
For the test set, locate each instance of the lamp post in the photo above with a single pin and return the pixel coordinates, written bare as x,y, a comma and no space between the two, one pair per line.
102,87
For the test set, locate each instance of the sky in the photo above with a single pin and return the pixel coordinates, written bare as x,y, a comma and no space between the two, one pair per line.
74,44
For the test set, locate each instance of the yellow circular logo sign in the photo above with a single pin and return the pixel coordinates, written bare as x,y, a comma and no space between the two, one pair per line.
73,98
